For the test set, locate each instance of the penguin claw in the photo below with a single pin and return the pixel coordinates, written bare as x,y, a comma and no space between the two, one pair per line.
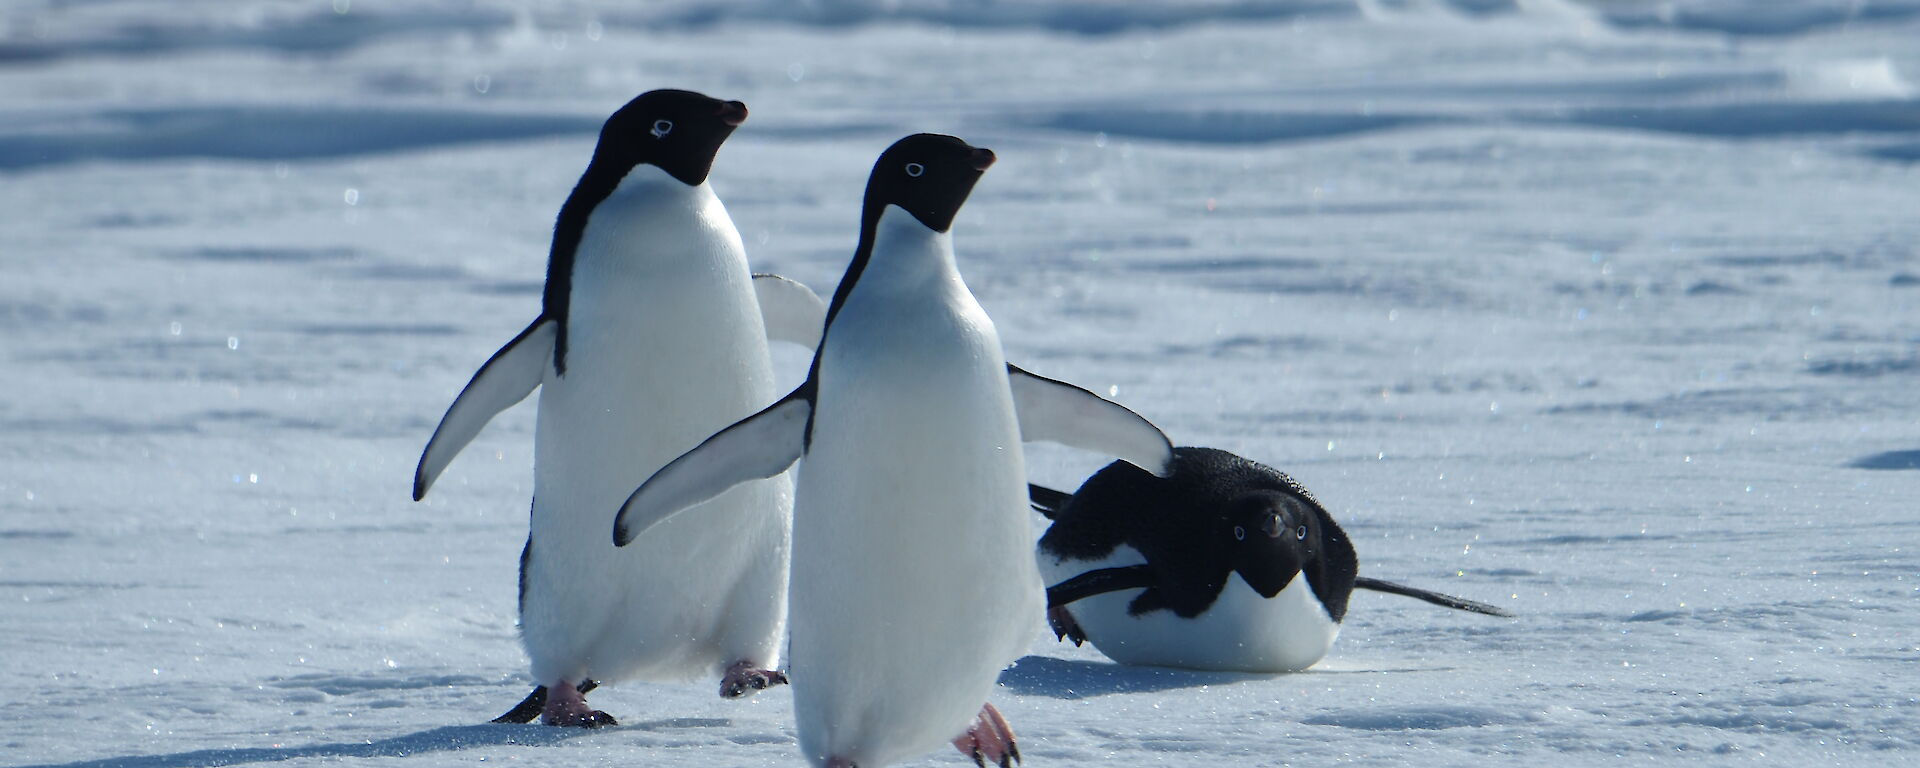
566,706
744,678
529,708
989,739
1064,626
593,719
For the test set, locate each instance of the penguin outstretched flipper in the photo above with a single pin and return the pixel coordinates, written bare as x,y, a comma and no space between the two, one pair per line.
1057,412
757,447
1446,601
792,311
507,378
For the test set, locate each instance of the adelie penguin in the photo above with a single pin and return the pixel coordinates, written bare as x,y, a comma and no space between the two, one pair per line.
913,577
652,334
1225,564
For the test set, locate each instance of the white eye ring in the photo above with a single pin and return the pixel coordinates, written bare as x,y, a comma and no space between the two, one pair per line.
915,169
1300,533
1239,533
661,128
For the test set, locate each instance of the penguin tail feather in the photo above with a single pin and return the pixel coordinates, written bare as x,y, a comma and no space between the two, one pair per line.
1446,601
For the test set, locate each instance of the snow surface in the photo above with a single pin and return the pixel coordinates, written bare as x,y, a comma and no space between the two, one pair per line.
1604,312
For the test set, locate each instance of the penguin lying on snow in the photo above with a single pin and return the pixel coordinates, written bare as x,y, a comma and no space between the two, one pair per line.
1143,566
911,424
652,335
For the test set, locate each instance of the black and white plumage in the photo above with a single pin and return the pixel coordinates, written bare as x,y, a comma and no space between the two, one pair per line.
913,584
1224,564
653,333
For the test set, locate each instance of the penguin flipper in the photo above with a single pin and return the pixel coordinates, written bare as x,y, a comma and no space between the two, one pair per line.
506,378
1436,598
1099,582
1046,501
754,448
791,310
1058,412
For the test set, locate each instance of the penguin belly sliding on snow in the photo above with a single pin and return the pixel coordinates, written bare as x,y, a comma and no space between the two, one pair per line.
1224,564
913,579
653,334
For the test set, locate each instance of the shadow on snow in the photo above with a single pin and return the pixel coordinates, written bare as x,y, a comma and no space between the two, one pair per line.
267,133
1071,679
1888,460
448,738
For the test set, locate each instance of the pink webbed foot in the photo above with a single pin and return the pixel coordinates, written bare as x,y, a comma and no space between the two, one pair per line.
989,740
744,678
566,706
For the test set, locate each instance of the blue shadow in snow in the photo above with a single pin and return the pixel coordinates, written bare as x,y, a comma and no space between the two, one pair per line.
270,133
1215,126
321,32
450,738
1070,679
1757,120
1888,460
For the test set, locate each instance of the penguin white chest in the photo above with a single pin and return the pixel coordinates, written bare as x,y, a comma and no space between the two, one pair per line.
664,345
663,342
910,530
1241,631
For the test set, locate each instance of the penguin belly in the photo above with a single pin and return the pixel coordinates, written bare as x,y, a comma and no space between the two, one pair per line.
1241,631
912,582
665,347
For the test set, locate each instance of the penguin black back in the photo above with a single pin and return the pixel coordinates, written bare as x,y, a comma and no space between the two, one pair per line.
679,131
1216,515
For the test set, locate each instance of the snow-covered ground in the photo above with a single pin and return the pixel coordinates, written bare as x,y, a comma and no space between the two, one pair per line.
1606,313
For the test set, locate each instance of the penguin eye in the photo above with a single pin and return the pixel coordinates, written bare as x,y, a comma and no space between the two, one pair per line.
661,128
1239,533
1300,533
915,169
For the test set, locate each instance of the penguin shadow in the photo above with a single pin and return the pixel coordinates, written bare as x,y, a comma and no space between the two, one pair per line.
1888,460
449,738
1076,679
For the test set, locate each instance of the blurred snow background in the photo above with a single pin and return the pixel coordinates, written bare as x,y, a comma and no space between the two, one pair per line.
1602,311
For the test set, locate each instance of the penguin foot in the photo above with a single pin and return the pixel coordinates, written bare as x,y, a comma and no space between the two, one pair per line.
567,706
1064,627
531,706
989,740
743,678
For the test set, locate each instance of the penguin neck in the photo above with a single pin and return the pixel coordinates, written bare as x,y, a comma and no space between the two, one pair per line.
599,183
906,255
908,248
898,258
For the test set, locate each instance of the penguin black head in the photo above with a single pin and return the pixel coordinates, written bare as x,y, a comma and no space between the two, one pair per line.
1272,536
679,131
927,175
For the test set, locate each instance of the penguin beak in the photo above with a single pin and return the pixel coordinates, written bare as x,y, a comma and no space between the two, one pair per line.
732,113
981,159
